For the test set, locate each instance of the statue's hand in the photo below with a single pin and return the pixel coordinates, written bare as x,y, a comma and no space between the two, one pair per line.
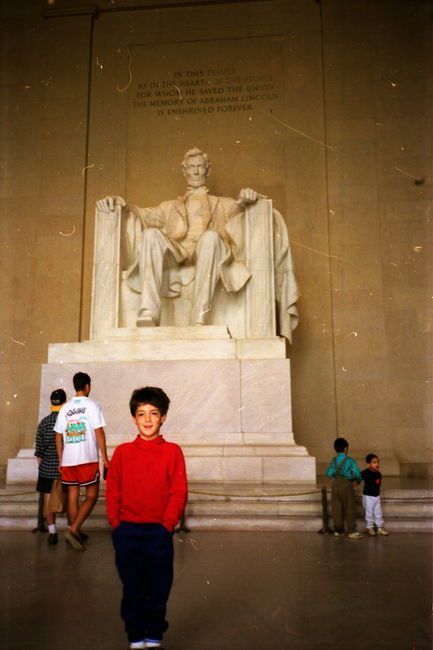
110,202
248,196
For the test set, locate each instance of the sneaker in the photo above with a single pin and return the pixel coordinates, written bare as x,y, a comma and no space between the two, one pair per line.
337,534
75,542
52,538
382,531
371,532
355,535
153,643
137,645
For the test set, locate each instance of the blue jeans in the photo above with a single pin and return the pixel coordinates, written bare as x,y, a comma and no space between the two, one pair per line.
144,561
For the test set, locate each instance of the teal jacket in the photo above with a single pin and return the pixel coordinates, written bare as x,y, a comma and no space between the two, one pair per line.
350,470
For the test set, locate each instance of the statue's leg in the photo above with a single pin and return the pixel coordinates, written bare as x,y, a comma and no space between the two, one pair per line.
154,246
210,250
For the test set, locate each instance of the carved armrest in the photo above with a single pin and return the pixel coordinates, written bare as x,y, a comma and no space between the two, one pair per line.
260,290
106,271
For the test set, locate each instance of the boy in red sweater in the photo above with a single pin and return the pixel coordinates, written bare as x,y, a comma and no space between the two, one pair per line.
146,496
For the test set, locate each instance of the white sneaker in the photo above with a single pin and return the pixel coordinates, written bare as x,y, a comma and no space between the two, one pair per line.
337,534
152,644
382,531
137,645
371,532
355,535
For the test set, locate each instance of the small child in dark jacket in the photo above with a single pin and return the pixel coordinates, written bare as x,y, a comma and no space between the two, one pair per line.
146,496
344,471
371,496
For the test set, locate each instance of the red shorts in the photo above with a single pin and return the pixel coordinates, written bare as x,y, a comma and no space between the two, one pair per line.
86,474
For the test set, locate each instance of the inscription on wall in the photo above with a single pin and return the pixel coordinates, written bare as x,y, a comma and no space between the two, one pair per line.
205,91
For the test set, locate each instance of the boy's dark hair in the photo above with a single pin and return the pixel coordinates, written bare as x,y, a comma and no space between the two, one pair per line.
340,445
149,395
81,379
369,458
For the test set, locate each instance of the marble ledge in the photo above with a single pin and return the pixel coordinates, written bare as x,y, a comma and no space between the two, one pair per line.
252,469
232,463
166,333
280,439
144,348
279,469
245,450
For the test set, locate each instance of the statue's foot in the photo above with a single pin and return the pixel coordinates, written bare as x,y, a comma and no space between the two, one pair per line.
145,319
198,316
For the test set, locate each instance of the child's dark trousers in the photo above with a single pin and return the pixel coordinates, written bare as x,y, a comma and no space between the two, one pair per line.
343,504
144,560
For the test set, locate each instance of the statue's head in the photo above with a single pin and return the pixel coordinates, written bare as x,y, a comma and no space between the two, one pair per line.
196,167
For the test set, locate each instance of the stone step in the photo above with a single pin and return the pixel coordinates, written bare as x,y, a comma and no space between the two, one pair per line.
242,507
299,524
238,508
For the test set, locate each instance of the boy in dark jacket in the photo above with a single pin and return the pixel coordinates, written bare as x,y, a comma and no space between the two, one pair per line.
371,496
146,496
48,461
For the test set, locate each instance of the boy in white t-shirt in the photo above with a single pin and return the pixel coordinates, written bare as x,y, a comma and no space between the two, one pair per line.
79,437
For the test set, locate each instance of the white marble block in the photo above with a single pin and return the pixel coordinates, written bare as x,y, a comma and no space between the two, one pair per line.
230,413
23,468
232,417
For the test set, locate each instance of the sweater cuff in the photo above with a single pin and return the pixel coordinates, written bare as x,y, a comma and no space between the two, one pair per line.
168,526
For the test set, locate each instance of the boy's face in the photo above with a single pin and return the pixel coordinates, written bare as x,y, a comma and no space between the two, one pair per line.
148,420
374,464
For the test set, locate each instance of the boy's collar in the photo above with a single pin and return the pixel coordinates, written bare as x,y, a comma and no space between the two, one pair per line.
156,440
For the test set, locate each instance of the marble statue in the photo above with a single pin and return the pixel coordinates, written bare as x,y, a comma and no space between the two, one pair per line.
205,233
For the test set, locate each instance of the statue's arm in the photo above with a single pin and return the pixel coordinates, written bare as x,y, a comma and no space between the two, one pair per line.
149,217
134,221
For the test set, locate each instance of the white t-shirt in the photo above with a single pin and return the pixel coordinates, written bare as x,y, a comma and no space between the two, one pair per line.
77,421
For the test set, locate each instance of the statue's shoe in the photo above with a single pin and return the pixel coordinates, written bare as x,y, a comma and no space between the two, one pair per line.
145,319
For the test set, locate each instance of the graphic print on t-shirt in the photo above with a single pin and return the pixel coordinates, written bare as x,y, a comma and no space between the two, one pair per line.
76,429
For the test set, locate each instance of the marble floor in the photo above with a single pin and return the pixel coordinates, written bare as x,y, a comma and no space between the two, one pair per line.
232,591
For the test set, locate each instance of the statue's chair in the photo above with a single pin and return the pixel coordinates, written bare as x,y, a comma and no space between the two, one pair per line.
249,313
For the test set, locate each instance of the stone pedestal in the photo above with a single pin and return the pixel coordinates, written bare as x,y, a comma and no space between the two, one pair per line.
23,468
230,413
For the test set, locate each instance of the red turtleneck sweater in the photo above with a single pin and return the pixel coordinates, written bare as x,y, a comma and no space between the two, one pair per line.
146,483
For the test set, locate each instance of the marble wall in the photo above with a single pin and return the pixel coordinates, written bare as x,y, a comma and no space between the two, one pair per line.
345,152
